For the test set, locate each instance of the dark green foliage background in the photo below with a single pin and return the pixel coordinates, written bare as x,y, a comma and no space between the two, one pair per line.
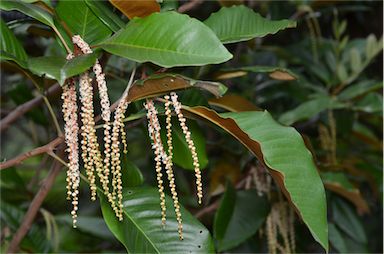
343,78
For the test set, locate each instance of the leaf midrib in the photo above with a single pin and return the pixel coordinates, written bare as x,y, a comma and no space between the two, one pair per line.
85,22
156,49
139,228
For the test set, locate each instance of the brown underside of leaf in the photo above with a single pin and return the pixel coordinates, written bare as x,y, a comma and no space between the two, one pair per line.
133,9
353,196
229,74
232,128
156,87
280,75
229,3
234,103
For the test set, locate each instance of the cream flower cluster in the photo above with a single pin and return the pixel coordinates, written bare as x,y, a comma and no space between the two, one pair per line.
118,126
161,157
93,161
191,145
281,221
71,137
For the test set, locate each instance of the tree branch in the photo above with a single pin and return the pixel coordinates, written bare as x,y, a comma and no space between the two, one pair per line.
24,108
35,205
48,148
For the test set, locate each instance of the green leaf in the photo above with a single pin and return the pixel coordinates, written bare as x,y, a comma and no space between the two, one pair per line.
283,152
358,89
309,109
294,162
168,39
336,239
91,225
224,212
345,218
11,179
339,183
371,103
10,47
339,178
239,23
132,176
141,230
182,155
35,239
31,10
59,68
341,72
250,212
355,57
274,72
82,21
104,13
372,46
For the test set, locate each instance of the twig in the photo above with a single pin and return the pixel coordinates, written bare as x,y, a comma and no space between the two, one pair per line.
48,148
25,107
35,205
207,209
189,6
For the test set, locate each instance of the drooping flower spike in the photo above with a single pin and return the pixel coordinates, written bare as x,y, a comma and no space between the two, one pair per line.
93,161
161,156
71,137
191,145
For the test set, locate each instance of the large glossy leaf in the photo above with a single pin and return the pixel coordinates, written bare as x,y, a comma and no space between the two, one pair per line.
10,47
309,109
141,230
132,176
284,153
82,21
182,155
239,23
249,214
31,10
168,39
88,224
104,13
224,212
157,85
133,9
59,68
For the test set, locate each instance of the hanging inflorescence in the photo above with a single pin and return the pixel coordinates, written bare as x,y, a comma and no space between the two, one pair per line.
93,161
106,166
280,221
165,158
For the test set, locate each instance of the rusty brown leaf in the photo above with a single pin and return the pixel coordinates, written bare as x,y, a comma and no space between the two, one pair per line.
133,9
233,103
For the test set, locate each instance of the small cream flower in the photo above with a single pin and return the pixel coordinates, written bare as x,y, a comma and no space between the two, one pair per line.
191,145
154,132
71,137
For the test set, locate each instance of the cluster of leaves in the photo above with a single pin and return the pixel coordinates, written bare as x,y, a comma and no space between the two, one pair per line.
319,85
